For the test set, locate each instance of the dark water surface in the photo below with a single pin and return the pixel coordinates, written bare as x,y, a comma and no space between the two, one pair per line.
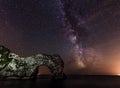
70,82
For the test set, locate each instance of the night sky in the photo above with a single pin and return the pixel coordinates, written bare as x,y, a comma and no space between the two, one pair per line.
86,33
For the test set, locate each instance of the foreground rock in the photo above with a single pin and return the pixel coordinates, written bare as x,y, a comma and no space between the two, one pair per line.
12,65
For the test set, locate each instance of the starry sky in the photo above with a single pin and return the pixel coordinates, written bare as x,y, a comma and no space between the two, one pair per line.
86,33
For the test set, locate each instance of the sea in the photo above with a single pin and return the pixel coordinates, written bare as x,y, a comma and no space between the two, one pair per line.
72,81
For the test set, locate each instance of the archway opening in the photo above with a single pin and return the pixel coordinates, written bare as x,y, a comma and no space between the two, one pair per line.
44,72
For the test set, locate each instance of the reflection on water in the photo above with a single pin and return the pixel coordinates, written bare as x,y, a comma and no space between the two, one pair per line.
71,82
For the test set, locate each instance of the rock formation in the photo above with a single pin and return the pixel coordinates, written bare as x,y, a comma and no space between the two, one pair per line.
12,65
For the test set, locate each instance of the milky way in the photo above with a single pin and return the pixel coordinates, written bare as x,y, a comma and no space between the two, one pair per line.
77,32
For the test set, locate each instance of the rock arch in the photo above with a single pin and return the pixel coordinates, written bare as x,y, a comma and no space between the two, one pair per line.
12,64
53,62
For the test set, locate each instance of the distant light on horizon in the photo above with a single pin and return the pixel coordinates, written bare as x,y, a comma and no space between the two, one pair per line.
118,74
115,67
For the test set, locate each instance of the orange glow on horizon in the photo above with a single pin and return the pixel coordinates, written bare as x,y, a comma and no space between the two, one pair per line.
115,67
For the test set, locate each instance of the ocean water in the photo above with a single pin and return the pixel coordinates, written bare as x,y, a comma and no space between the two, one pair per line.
71,82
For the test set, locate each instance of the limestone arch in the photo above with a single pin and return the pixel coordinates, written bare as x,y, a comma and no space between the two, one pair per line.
54,72
54,63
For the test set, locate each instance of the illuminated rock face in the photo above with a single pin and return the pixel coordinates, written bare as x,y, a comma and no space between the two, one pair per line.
12,65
